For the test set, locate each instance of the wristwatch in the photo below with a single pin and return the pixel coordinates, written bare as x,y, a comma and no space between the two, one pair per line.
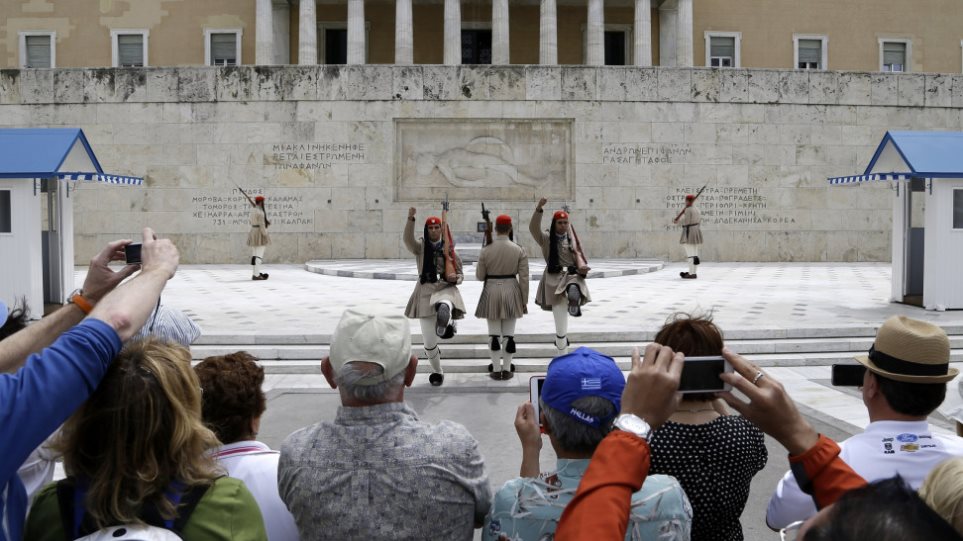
78,299
634,424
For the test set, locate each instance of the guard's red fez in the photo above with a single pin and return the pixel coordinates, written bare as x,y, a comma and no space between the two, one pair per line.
690,197
259,199
560,215
433,220
503,219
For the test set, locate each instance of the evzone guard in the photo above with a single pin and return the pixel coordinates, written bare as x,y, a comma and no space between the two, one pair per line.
435,302
503,269
562,288
691,238
257,237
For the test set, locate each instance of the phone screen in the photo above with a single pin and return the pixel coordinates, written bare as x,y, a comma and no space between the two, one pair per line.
132,253
535,391
848,375
701,375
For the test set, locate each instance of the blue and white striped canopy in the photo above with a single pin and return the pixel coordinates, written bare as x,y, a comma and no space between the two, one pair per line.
878,177
97,177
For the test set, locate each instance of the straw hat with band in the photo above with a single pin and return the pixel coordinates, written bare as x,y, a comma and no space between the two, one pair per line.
910,351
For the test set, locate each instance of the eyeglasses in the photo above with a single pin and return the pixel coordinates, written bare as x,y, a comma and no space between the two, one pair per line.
791,532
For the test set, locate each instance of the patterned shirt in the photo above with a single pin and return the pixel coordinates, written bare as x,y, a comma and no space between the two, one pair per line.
530,508
377,472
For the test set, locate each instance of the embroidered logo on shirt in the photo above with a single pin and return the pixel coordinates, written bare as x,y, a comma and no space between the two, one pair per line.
907,438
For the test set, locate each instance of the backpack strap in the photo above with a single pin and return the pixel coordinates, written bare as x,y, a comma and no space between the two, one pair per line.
65,501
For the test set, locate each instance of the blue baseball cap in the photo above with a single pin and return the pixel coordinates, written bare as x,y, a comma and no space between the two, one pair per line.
3,313
583,372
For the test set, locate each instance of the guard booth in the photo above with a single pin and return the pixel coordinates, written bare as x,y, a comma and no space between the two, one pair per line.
38,172
925,172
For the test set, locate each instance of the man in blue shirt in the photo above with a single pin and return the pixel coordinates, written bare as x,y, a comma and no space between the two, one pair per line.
580,398
51,384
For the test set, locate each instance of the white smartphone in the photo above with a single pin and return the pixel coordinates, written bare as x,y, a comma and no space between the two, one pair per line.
534,392
701,375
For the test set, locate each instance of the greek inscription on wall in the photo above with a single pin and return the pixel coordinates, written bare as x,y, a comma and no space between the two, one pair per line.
313,155
230,211
738,206
643,154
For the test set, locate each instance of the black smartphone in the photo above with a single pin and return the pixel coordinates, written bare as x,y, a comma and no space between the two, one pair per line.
848,375
701,375
132,253
534,392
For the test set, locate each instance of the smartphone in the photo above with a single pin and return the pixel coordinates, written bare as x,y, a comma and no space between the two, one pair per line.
535,391
848,375
701,375
132,253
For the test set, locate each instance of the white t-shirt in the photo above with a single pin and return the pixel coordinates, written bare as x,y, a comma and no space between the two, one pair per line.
257,465
884,449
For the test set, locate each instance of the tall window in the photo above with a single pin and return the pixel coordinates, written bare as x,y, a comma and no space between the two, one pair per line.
222,47
336,46
810,52
617,45
476,46
6,212
129,48
38,49
894,55
957,208
722,49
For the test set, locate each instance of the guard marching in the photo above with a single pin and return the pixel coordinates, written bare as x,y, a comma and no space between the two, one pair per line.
689,218
562,288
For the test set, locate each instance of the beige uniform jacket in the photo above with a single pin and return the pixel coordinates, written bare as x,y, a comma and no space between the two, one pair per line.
691,233
506,297
258,235
551,288
425,296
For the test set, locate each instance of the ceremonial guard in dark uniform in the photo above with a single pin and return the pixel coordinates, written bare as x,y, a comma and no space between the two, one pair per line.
435,302
562,288
503,267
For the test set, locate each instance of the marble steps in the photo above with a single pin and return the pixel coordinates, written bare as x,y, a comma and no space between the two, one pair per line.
470,354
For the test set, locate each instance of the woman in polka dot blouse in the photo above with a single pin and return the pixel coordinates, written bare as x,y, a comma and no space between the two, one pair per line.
713,454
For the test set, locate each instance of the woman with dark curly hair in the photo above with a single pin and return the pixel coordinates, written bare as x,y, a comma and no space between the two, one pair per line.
137,452
233,403
713,454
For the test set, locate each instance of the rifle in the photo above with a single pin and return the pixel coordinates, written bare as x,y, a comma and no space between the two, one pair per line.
486,215
580,261
698,193
447,244
267,223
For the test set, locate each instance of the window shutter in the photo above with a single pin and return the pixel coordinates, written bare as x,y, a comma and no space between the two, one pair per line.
224,49
723,46
811,50
894,53
38,51
130,50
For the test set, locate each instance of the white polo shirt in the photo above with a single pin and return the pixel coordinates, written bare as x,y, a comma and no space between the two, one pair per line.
884,449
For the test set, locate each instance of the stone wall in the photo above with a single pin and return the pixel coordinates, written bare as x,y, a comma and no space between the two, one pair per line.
320,143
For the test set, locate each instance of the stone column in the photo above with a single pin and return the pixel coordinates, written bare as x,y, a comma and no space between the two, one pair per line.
684,34
595,34
548,34
264,33
500,32
356,43
643,32
404,33
307,33
452,32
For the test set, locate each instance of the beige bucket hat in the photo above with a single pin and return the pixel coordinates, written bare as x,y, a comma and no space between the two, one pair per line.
910,350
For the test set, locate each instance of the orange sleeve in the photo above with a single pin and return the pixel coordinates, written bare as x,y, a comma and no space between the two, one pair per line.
601,507
822,474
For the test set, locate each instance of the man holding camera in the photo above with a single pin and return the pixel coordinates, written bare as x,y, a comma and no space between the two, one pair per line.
580,402
907,369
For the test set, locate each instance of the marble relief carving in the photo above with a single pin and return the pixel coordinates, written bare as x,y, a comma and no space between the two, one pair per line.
482,159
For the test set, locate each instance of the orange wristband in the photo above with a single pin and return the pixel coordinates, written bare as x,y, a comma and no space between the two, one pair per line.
82,303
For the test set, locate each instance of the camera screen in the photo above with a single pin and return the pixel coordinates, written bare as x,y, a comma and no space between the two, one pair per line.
132,253
702,375
848,375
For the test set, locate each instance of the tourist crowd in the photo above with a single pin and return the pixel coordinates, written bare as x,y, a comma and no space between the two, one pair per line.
152,447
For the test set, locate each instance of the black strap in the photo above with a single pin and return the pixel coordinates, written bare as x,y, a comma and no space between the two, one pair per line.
499,276
906,368
149,512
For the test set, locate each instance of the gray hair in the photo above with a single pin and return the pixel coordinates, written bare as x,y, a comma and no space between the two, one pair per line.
354,371
573,435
